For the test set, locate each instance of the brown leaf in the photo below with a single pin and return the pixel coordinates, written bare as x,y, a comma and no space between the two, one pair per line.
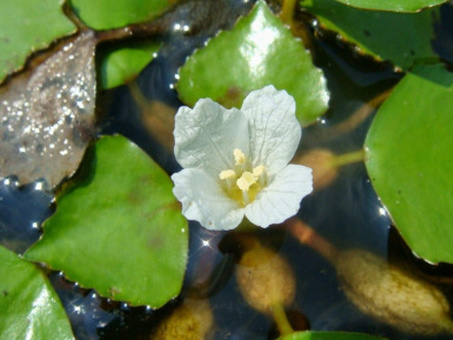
47,119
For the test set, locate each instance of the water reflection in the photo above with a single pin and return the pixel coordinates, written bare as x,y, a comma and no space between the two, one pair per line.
22,210
83,307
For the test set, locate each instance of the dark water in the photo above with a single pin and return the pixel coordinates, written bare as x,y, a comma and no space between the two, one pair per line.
347,213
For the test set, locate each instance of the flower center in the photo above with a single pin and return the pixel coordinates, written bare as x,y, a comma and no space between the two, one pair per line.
243,182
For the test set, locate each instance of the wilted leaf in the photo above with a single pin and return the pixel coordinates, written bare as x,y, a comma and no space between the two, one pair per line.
121,230
29,307
47,118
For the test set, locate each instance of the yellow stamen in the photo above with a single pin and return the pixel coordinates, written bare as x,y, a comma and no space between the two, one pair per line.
242,183
246,181
227,174
258,171
239,157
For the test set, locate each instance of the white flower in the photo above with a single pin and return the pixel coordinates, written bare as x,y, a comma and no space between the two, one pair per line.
236,161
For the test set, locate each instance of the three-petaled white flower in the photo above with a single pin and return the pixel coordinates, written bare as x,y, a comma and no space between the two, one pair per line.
236,161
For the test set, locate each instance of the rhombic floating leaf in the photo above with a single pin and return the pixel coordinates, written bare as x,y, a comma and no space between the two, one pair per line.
107,14
402,38
258,51
410,163
122,65
120,230
29,307
393,5
122,61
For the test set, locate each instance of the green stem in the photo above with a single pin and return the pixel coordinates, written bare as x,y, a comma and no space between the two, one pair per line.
348,158
287,12
280,318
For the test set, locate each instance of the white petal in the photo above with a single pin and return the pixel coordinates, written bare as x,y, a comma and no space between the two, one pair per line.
203,200
281,198
206,136
274,130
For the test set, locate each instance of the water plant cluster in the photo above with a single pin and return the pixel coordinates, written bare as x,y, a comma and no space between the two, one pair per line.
237,150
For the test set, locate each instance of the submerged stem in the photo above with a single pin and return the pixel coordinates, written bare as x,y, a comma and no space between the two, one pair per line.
134,31
351,123
281,319
348,158
306,235
158,117
287,12
359,115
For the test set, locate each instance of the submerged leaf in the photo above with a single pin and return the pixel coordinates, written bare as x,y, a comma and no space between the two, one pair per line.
265,279
391,295
191,320
380,289
30,308
121,230
47,119
409,160
258,51
25,29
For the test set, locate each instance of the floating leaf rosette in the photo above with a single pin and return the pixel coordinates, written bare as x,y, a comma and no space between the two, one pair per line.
409,160
120,230
258,51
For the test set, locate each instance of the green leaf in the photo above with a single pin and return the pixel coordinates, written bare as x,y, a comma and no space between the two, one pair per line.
26,28
327,336
119,231
393,5
30,308
121,65
410,163
106,14
258,51
402,38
